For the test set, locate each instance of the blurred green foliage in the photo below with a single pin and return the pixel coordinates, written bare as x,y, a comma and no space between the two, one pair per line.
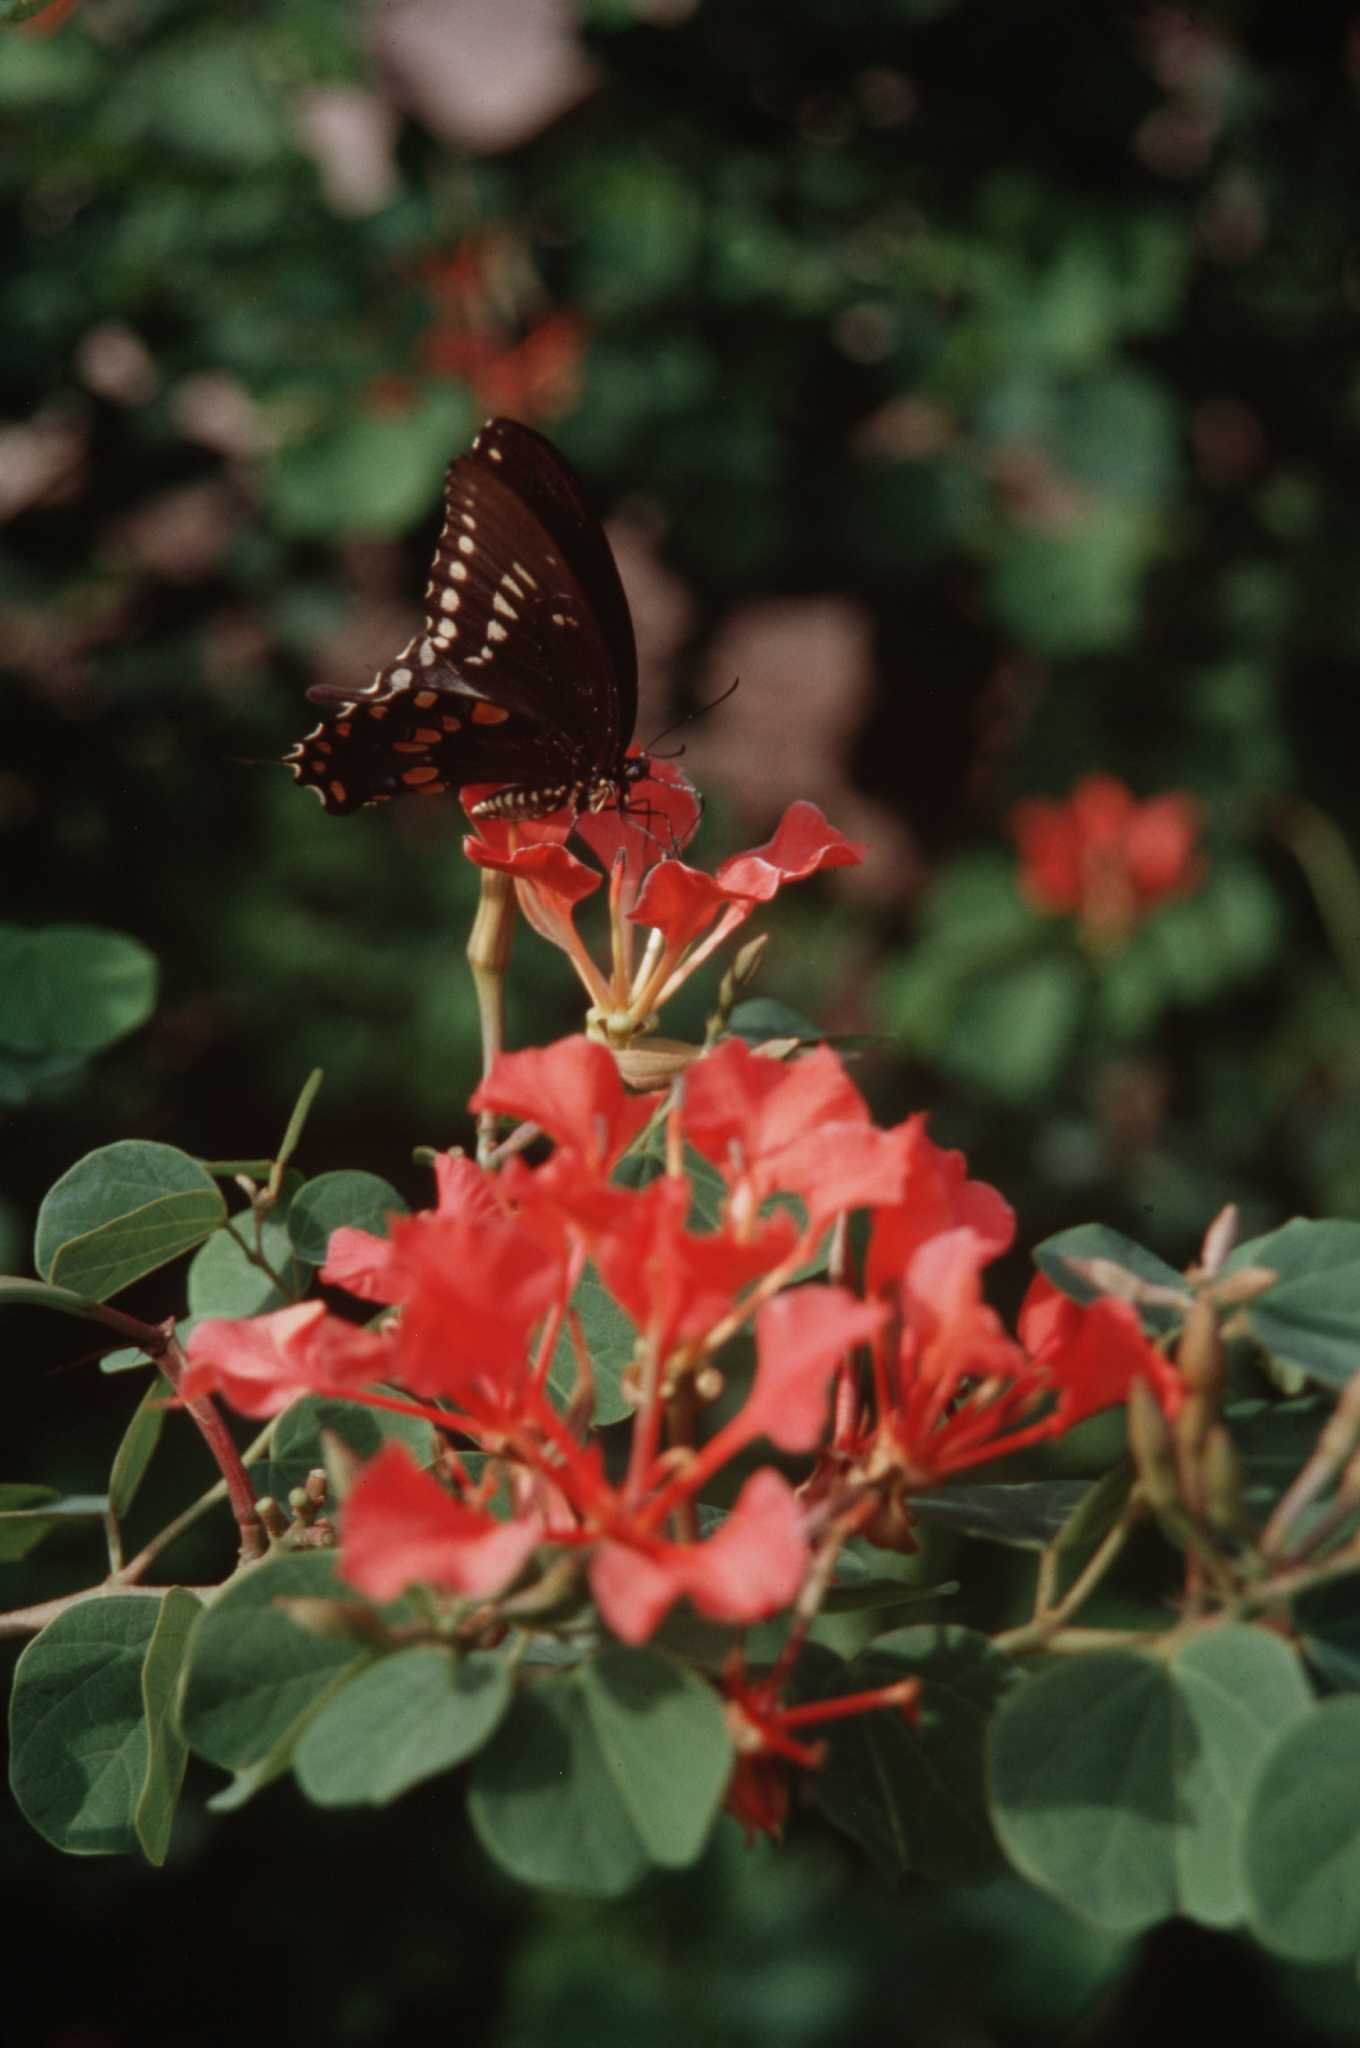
1030,330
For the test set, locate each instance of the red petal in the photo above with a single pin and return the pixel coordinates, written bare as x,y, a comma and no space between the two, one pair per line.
678,901
756,1562
801,1337
573,1090
802,844
401,1528
261,1364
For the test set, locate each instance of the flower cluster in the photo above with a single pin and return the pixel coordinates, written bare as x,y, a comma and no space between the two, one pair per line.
686,913
883,1382
1104,857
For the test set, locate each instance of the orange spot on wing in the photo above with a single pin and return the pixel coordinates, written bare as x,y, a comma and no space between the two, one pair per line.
489,714
339,792
428,735
414,777
451,724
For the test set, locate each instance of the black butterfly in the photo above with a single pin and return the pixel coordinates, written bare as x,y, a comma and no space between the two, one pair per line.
526,672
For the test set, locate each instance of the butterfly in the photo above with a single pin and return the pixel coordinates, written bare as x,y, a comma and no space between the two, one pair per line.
525,674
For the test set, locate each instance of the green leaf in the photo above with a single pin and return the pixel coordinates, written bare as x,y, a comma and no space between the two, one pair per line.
224,1281
362,1200
71,988
1029,1515
1237,1687
610,1339
297,1122
22,1527
1082,1791
16,1292
761,1018
296,1448
915,1798
1302,1852
120,1213
138,1446
78,1737
28,1513
368,472
663,1735
254,1672
1120,1782
1311,1317
1096,1513
544,1803
1060,1257
167,1750
402,1720
1012,1033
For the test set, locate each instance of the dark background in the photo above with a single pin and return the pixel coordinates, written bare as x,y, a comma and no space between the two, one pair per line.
977,382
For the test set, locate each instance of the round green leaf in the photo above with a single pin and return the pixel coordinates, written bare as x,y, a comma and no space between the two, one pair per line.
664,1739
1303,1837
1081,1786
224,1281
71,988
78,1737
403,1719
544,1802
254,1672
363,1200
121,1212
1236,1688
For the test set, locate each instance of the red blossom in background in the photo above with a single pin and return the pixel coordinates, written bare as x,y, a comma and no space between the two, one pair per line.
1104,857
489,331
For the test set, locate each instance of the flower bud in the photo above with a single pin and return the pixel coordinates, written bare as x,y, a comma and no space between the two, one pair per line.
1153,1452
1222,1472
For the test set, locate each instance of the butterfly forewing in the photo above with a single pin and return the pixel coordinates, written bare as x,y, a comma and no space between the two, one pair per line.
525,674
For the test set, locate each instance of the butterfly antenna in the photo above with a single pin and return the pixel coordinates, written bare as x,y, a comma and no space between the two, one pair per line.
700,711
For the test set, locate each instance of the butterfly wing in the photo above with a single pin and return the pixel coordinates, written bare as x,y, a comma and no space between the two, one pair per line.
515,679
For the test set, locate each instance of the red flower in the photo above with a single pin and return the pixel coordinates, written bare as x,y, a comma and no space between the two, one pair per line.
1105,857
263,1364
572,1090
400,1528
677,1284
799,1127
764,1735
937,1195
1093,1353
751,1568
